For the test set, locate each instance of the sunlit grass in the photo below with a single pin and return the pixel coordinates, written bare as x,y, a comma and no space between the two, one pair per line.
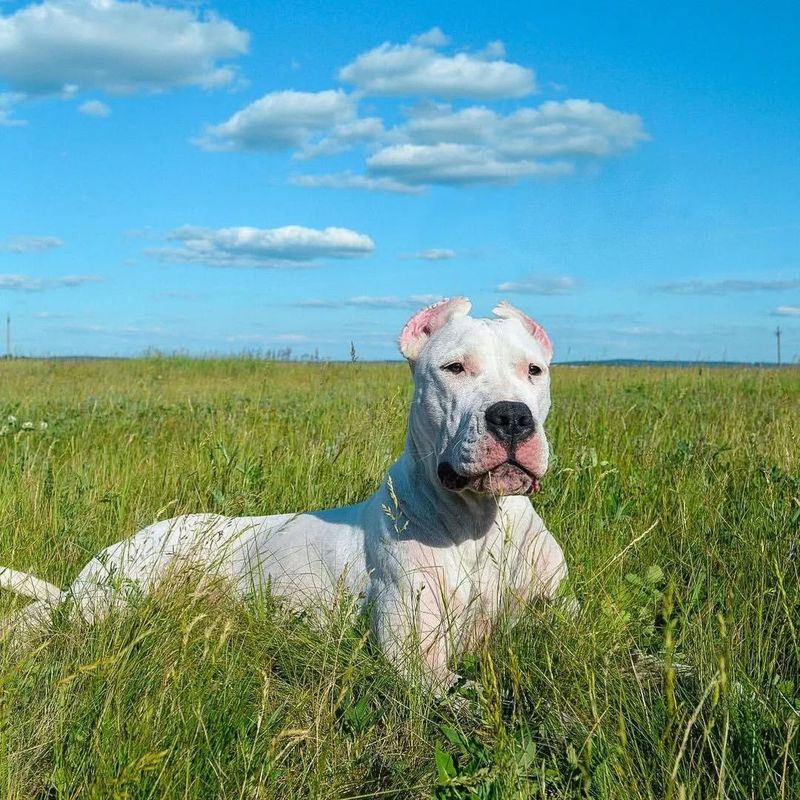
675,493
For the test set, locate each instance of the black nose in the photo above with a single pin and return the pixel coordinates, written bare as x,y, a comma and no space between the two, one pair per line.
510,422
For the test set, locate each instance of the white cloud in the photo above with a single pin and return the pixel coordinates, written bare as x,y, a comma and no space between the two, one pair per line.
729,286
433,254
280,120
540,286
7,102
28,283
373,302
178,295
259,338
66,46
289,246
787,311
435,37
94,108
554,129
412,301
436,144
651,330
455,163
31,244
121,331
291,337
418,68
316,302
351,180
431,123
342,137
494,49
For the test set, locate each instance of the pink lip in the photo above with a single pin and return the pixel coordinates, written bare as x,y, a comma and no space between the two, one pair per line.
456,482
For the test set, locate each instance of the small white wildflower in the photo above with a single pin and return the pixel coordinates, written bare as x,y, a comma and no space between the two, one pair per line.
27,426
42,426
12,420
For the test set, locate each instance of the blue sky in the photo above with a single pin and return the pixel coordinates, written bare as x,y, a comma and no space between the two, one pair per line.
226,177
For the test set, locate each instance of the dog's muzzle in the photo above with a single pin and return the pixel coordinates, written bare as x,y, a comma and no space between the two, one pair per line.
510,428
510,422
506,478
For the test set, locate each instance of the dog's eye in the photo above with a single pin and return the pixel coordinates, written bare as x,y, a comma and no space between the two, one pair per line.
456,367
534,369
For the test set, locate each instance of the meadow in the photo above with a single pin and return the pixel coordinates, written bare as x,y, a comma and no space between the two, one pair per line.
674,492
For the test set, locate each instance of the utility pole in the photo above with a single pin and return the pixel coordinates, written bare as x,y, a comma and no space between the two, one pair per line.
778,340
8,335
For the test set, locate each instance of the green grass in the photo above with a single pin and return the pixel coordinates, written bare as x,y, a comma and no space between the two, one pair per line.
676,496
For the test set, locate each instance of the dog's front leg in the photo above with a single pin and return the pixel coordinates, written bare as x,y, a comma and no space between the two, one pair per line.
413,633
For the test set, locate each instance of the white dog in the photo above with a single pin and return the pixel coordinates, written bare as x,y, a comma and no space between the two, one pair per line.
448,541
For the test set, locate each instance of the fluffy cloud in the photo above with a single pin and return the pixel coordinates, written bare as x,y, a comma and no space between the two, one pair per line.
342,137
31,244
787,311
290,246
729,286
478,145
540,286
452,163
419,68
435,37
27,283
434,143
440,145
553,129
65,46
94,108
282,120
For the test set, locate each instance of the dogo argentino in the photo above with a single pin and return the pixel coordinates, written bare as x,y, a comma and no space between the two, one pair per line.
448,541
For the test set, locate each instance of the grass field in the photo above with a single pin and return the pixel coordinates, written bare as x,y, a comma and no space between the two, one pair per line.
676,496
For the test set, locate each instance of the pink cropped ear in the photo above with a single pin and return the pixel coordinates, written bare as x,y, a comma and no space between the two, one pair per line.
506,311
426,322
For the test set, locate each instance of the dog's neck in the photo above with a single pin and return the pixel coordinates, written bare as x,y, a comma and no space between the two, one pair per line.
455,517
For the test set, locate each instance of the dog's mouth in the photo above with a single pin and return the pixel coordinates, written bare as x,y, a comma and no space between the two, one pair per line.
508,477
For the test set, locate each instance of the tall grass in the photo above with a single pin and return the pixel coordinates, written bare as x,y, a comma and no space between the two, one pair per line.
675,493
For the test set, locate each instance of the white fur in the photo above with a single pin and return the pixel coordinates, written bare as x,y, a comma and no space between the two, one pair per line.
435,566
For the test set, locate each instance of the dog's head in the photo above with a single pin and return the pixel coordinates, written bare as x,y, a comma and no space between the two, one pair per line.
482,394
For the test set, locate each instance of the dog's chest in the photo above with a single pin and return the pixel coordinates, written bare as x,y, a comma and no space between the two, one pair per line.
469,578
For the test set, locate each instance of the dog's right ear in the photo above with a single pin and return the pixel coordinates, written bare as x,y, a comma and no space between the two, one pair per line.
425,323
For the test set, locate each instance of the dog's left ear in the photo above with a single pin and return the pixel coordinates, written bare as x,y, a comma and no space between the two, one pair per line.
506,311
425,323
